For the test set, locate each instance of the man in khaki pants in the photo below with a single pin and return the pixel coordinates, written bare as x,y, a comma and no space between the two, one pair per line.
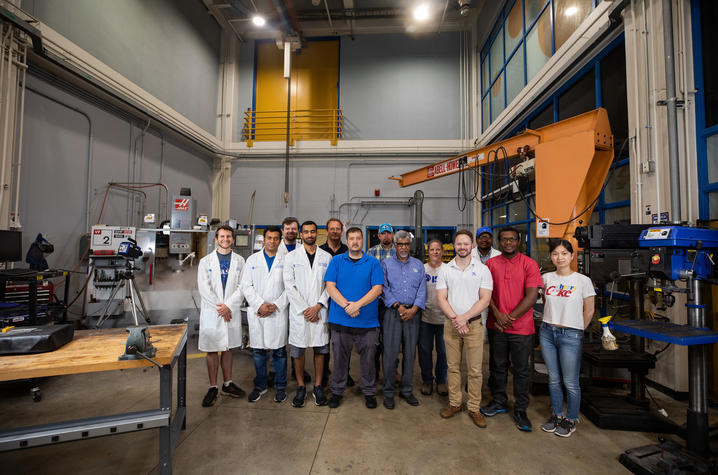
463,290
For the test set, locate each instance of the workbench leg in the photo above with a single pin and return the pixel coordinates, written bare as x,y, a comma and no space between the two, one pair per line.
182,383
166,432
66,296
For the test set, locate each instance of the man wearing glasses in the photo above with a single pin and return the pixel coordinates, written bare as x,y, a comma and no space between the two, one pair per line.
484,249
510,325
404,298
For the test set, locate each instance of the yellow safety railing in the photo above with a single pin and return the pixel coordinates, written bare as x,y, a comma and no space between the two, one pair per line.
304,124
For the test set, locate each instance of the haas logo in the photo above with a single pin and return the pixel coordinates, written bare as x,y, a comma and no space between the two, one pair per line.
182,204
560,291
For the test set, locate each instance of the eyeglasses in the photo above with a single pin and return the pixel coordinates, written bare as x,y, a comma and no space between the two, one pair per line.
403,244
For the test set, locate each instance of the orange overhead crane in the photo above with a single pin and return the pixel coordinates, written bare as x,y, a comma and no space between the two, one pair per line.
572,159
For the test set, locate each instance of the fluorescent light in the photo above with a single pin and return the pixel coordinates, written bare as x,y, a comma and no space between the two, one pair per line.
258,20
570,11
421,12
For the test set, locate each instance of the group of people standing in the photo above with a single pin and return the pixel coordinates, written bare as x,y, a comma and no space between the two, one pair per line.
388,305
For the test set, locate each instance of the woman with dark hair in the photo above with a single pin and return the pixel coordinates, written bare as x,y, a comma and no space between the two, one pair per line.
568,310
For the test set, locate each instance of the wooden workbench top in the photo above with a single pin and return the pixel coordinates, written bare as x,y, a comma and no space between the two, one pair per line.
91,351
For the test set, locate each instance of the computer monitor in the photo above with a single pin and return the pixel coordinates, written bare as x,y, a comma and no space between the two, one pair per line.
10,246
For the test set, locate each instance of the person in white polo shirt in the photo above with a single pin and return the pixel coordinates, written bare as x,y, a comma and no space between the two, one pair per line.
463,289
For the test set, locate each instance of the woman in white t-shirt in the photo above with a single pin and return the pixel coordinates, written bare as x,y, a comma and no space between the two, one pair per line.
568,310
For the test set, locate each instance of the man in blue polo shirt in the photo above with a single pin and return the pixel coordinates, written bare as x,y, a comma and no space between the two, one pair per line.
354,282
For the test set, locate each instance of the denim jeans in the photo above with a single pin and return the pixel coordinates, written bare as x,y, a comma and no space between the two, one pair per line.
508,349
562,350
428,335
279,365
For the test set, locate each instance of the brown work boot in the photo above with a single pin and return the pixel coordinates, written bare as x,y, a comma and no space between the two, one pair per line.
442,389
427,388
450,411
478,419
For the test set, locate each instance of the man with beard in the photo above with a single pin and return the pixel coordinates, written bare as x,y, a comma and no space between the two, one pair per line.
463,289
484,249
290,231
404,298
220,322
354,281
304,270
511,326
381,251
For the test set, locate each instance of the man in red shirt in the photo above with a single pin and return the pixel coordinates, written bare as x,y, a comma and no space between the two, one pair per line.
511,326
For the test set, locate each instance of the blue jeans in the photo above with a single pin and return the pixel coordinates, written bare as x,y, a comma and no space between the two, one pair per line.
428,335
279,365
562,350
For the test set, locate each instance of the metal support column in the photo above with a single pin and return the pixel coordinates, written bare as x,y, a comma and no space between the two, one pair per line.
697,416
638,385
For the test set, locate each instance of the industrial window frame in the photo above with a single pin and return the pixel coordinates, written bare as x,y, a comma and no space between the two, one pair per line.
705,187
526,223
485,51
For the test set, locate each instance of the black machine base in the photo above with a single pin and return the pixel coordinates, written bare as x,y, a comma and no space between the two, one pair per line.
664,458
618,413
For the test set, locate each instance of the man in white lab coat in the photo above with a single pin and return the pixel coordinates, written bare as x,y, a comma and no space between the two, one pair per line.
263,287
220,321
290,231
304,270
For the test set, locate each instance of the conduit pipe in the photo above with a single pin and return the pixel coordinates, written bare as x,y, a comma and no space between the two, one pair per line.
672,116
7,40
21,120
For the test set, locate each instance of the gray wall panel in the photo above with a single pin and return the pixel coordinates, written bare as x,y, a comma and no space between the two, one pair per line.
312,185
169,48
53,189
398,87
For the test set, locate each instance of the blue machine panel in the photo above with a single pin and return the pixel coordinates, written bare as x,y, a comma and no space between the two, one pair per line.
676,248
679,236
664,331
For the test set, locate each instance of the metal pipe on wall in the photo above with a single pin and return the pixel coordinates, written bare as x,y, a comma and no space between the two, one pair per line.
672,114
21,121
418,202
7,40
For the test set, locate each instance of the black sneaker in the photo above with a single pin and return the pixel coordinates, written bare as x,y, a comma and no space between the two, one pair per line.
300,397
370,402
551,424
522,421
334,401
256,394
492,408
350,382
565,428
233,390
410,398
389,402
210,397
281,396
320,399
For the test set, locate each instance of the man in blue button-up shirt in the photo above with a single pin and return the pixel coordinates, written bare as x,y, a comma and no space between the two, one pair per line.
404,298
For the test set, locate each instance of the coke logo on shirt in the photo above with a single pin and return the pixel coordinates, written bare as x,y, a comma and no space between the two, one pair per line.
560,291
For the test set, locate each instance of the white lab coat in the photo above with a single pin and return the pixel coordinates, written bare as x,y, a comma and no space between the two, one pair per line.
260,285
305,287
214,333
282,249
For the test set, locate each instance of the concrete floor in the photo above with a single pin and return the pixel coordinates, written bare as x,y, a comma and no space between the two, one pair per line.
235,436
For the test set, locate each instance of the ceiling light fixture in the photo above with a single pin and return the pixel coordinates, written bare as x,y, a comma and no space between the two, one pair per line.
570,11
258,20
421,12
